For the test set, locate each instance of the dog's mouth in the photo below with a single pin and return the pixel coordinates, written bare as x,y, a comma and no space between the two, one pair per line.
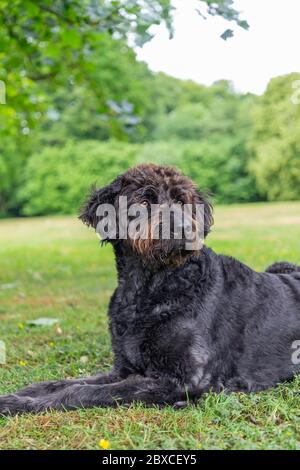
176,257
164,252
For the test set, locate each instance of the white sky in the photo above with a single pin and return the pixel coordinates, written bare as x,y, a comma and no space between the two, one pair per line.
271,46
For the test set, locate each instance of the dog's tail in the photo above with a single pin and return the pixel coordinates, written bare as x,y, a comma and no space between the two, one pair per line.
283,267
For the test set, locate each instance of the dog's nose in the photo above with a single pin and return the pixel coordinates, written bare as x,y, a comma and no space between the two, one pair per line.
183,227
180,224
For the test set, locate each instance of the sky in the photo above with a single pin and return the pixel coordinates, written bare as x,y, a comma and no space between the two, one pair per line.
271,46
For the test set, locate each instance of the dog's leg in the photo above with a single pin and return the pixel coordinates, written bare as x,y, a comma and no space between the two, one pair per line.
53,386
134,388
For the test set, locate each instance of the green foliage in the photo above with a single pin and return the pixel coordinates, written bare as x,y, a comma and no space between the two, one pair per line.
275,141
212,125
206,114
214,167
56,179
114,104
12,162
55,41
73,83
54,34
238,147
70,75
48,44
185,123
277,168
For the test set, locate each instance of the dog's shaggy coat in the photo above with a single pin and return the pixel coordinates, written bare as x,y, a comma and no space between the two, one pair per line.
181,323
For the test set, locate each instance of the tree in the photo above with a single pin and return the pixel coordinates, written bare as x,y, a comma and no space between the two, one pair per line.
54,41
116,103
275,141
214,124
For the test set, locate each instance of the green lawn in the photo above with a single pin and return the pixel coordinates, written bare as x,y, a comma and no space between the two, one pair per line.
54,267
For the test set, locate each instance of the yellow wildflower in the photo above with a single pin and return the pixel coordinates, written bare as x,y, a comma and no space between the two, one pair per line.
104,444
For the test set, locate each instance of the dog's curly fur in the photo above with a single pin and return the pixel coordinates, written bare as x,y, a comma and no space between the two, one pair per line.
181,323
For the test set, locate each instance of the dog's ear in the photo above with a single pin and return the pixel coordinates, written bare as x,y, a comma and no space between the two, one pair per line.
208,211
96,197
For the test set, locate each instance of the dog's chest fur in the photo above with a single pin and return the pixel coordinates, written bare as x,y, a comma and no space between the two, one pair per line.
153,325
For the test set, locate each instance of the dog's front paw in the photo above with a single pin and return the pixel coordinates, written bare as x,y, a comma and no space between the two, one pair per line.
12,404
178,405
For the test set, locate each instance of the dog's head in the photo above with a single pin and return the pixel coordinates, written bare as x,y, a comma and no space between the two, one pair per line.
154,210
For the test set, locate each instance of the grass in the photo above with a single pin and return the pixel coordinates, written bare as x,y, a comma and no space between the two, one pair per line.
53,267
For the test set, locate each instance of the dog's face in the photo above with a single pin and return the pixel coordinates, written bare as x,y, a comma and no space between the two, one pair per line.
156,210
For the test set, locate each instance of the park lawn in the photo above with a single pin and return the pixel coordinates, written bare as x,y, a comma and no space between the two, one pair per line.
54,267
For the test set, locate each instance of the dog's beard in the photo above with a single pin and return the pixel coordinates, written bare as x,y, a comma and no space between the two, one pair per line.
159,251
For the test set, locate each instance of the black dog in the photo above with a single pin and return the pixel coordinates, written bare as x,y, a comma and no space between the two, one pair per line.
182,323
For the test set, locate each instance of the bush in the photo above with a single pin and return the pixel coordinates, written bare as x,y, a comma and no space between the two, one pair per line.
56,179
277,169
